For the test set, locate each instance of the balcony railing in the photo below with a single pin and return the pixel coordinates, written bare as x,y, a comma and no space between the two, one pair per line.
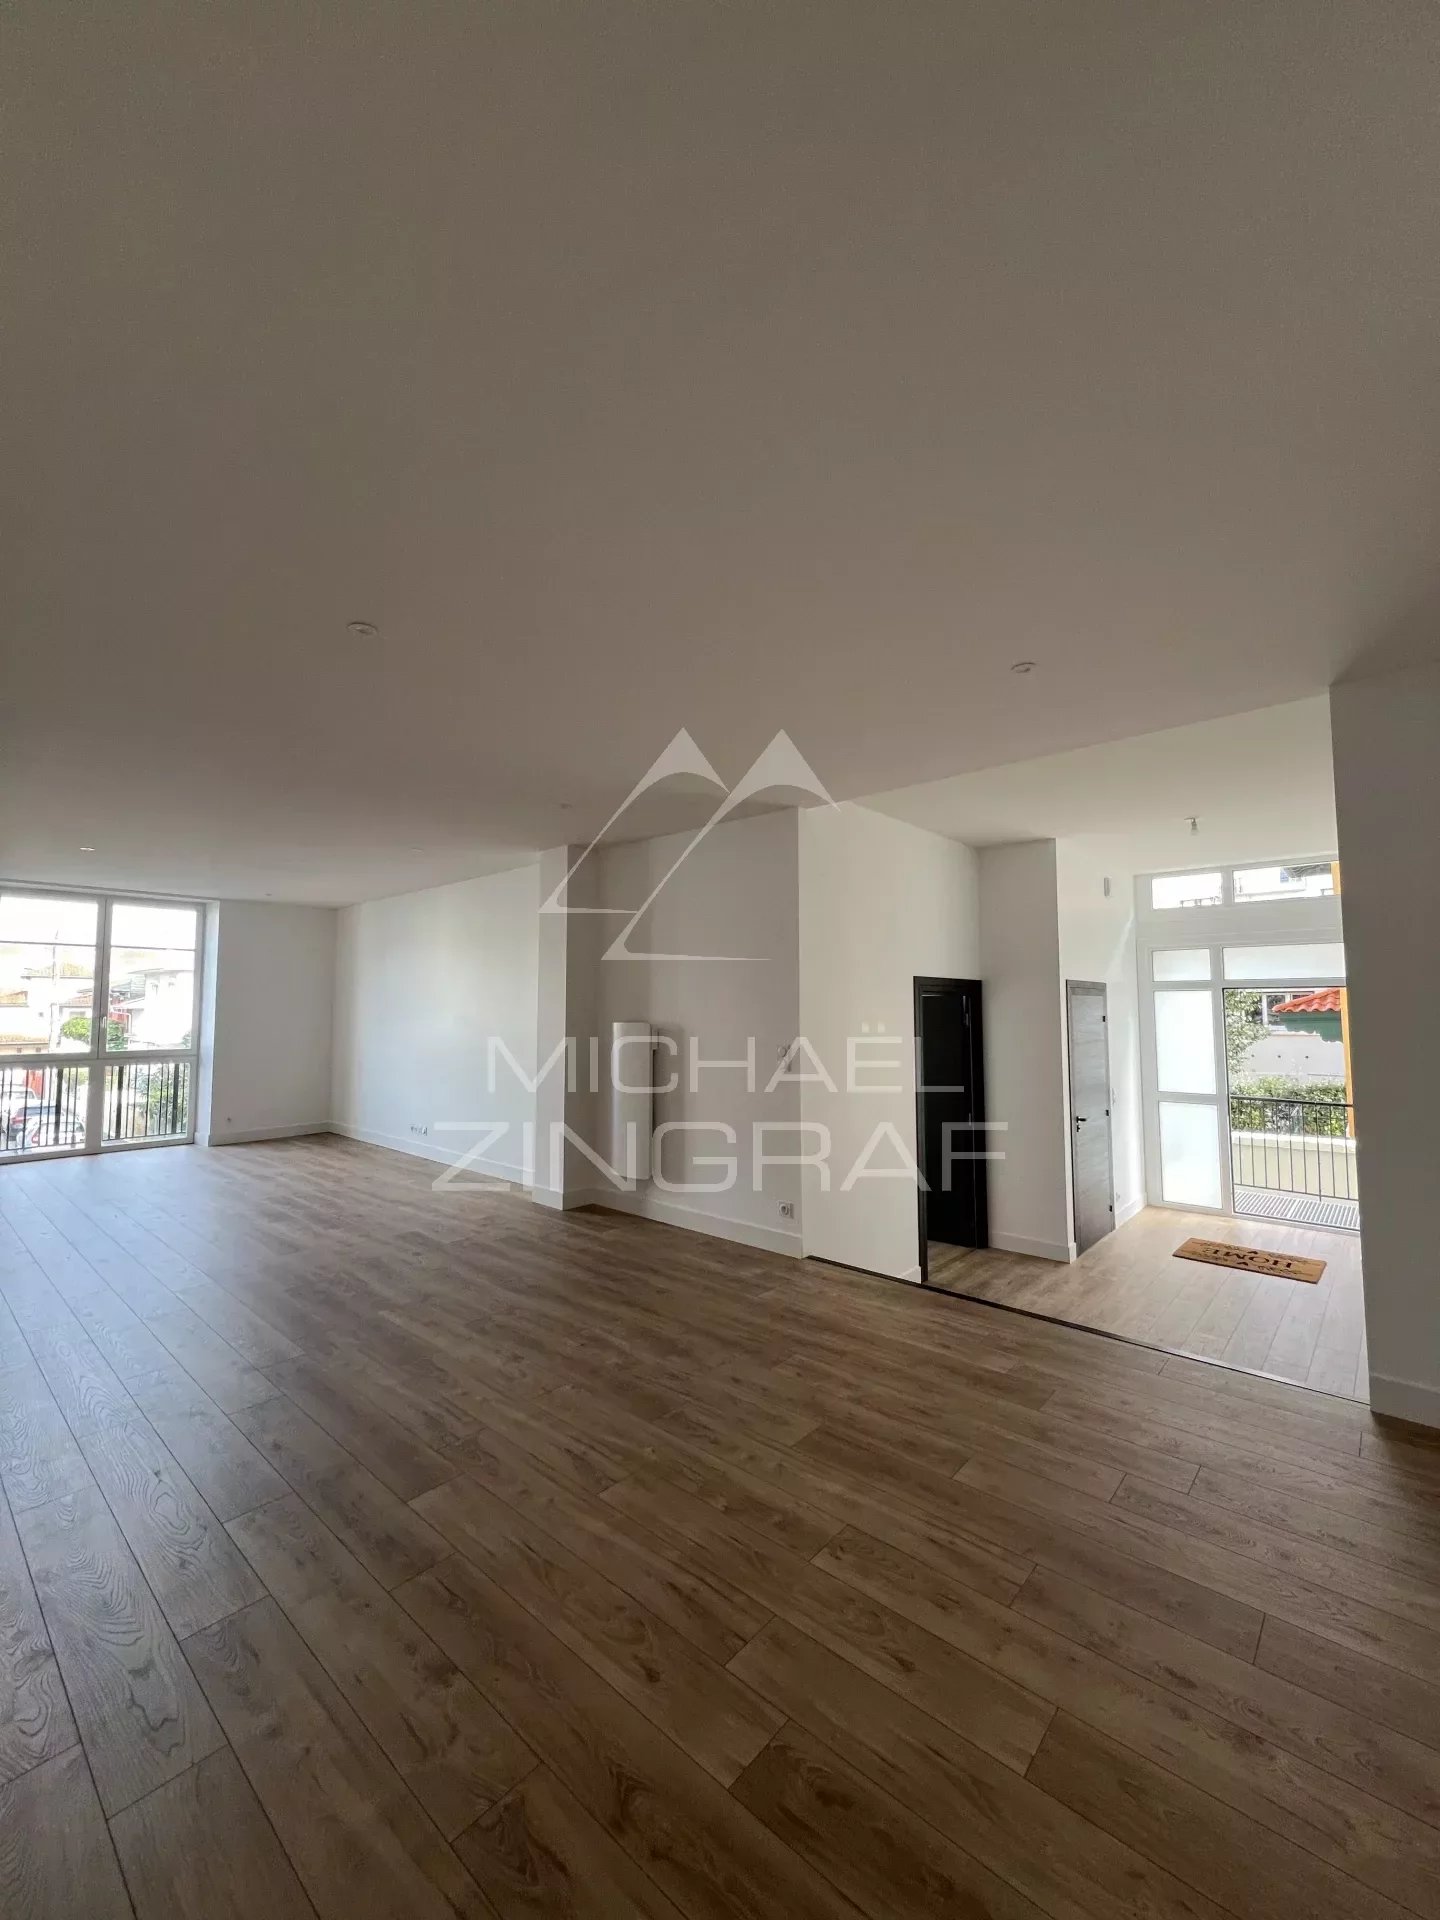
42,1109
146,1099
1289,1145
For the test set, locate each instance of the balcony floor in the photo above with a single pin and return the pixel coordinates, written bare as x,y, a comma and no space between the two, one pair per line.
1304,1209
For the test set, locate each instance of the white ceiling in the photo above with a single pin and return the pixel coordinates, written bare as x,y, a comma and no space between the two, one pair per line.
638,367
1258,785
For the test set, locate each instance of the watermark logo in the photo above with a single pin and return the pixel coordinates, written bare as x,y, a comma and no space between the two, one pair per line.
781,765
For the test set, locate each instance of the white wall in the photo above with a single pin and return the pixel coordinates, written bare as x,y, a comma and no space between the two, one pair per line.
735,894
423,981
1024,1049
266,1036
880,902
1387,788
1097,942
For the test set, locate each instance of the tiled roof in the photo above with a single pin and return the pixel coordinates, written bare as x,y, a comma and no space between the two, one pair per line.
1324,1000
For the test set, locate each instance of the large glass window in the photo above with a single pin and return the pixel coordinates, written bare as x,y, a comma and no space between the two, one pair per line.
1321,960
47,973
1312,880
152,978
1181,963
1187,890
1185,1041
97,1022
1189,1154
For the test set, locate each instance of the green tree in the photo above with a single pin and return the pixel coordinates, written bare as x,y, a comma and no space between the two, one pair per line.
1242,1029
77,1027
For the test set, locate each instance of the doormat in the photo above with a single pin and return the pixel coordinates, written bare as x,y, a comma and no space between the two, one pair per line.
1282,1266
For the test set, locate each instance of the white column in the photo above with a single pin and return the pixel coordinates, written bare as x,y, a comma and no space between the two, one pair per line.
1386,734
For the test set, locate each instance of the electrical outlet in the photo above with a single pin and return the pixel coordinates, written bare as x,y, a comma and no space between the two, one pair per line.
421,1128
787,1209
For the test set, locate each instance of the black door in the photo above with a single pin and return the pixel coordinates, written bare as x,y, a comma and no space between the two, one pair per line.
950,1100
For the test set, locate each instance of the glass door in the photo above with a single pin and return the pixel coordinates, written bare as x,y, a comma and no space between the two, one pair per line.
1184,1035
99,1022
49,971
149,1050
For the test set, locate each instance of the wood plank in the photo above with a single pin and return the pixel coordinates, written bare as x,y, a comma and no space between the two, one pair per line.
141,1716
966,1506
1217,1850
39,1459
891,1864
1359,1575
192,1567
540,1856
226,1471
1349,1745
199,1848
1385,1847
385,1536
1270,1586
911,1542
455,1752
704,1709
393,1454
247,1332
211,1362
56,1860
857,1483
1004,1719
358,1841
694,1839
1059,1860
717,1618
1337,1673
35,1719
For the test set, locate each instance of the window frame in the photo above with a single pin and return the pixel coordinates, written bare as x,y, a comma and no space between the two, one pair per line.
96,1058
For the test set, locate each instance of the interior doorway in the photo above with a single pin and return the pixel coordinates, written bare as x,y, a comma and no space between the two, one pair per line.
950,1124
1092,1162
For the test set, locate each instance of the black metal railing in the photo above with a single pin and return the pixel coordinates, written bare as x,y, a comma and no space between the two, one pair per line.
42,1109
146,1099
1290,1145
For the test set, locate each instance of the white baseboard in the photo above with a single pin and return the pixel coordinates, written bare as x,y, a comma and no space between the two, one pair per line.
242,1136
1128,1209
421,1149
1061,1250
1405,1400
651,1206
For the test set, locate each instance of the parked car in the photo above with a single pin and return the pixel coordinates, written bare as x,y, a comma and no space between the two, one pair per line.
40,1123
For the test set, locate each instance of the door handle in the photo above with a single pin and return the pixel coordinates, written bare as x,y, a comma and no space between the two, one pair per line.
1080,1119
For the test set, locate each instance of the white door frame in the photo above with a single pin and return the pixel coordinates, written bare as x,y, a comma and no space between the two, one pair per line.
1275,923
95,1058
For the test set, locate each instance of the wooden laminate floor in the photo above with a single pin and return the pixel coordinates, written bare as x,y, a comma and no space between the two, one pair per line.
369,1552
1130,1283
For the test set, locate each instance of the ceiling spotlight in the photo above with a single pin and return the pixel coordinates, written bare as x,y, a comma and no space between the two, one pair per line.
1023,666
361,629
87,849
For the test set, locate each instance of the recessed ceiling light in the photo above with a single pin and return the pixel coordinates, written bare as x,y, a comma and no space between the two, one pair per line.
361,629
1023,666
87,849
